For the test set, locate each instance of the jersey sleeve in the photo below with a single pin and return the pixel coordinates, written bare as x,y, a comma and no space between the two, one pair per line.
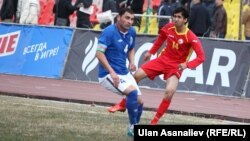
159,41
198,49
161,38
104,40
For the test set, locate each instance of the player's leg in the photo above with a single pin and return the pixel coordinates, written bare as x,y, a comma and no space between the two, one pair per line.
126,88
121,106
140,109
132,106
138,76
130,79
139,113
171,86
107,82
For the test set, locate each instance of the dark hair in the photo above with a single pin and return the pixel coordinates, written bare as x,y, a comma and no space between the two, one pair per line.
183,12
124,10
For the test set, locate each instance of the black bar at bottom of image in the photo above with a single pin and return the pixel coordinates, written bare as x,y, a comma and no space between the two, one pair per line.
194,132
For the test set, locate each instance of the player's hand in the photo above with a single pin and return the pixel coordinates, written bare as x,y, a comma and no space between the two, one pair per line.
115,79
182,66
147,56
132,67
212,34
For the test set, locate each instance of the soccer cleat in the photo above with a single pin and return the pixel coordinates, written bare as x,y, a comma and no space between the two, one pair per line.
130,132
154,121
116,107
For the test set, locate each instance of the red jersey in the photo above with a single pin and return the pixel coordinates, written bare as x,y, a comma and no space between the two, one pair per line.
179,46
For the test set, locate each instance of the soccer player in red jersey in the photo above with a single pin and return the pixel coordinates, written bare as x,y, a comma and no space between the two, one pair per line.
180,43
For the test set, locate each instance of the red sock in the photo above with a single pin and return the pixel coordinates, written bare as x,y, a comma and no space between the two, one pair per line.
163,107
123,102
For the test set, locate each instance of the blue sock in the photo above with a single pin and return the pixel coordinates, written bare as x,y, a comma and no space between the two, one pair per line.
140,110
132,107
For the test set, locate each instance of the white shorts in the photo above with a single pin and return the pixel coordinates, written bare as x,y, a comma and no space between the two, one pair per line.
125,81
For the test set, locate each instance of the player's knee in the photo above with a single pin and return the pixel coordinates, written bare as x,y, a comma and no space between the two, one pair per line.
170,91
132,96
129,89
140,101
169,94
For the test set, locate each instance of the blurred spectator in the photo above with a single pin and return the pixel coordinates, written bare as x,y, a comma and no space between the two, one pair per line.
120,4
210,5
28,11
244,2
219,23
1,3
199,20
108,5
137,7
83,19
186,4
63,9
246,20
8,11
166,9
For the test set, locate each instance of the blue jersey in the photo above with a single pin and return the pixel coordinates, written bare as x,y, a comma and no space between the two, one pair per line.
116,46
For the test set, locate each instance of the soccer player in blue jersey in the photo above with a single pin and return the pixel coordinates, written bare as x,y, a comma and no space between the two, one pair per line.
115,45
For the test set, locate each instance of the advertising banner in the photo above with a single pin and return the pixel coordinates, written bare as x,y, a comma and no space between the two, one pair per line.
82,63
33,50
223,73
